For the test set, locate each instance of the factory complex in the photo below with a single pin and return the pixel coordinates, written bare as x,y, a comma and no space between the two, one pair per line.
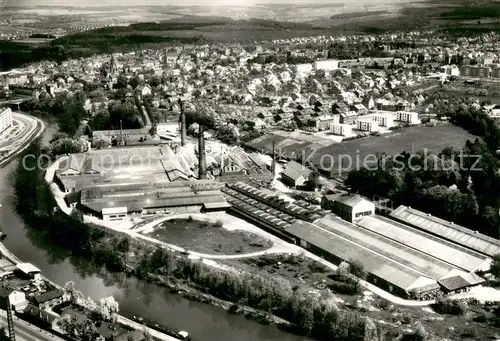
409,253
402,259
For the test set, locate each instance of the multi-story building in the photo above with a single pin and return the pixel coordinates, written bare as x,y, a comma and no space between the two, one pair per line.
367,125
479,71
328,65
410,117
341,129
325,122
5,119
349,117
384,120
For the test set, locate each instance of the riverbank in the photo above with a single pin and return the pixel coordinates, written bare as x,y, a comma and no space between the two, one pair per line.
121,319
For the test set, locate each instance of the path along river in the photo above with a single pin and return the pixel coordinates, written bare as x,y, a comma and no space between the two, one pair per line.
202,321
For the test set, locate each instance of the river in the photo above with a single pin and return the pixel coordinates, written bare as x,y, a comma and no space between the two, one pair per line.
203,322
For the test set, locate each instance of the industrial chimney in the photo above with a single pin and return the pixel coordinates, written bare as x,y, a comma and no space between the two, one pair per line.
273,162
202,162
183,123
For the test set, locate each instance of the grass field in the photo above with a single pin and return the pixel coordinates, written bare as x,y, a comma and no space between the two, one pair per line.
210,238
418,138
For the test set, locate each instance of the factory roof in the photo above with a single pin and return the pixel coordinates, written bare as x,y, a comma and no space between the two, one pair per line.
275,202
382,267
138,201
400,253
450,253
460,280
295,170
351,200
28,268
448,230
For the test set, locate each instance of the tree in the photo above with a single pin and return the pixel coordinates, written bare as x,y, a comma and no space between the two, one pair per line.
3,335
155,81
121,82
420,334
134,82
75,295
193,129
495,266
108,308
357,269
87,330
67,325
313,180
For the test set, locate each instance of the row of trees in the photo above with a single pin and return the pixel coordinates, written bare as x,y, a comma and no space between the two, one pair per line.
313,316
68,111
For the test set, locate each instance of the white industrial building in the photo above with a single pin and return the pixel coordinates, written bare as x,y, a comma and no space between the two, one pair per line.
353,207
341,129
5,119
327,65
384,120
367,125
410,117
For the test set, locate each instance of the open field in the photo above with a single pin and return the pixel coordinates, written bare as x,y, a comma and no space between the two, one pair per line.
210,238
322,151
419,138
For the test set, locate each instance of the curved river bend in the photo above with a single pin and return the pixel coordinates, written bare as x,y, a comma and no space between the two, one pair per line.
203,322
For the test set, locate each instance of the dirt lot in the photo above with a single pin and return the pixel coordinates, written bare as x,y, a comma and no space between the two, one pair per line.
300,271
210,238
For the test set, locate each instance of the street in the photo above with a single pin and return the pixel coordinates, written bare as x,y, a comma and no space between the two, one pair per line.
26,331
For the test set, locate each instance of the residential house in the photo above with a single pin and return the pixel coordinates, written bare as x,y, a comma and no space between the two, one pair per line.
359,109
50,299
16,299
403,105
40,317
324,122
349,117
369,103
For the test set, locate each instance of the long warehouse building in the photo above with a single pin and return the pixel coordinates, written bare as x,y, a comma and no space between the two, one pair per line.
382,271
447,230
439,249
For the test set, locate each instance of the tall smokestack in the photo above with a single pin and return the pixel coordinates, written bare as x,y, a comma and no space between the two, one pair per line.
273,162
183,123
202,162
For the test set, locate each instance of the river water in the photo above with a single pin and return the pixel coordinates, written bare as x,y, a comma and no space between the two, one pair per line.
203,322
